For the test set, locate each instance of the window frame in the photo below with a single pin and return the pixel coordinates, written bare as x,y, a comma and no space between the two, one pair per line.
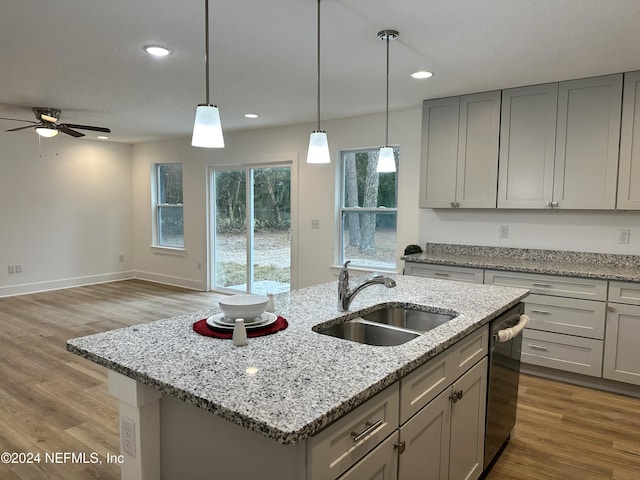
157,207
341,210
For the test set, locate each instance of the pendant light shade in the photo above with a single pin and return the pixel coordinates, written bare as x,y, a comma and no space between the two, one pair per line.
386,160
207,128
318,148
318,143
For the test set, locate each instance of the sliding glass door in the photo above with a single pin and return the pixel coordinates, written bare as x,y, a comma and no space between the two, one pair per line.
251,229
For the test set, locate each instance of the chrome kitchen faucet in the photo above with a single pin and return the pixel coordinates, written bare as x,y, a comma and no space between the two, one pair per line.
345,296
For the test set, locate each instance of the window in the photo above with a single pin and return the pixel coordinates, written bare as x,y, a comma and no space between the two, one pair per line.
368,210
168,201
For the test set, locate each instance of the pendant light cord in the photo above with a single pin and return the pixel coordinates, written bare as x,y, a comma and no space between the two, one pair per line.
386,138
206,46
318,66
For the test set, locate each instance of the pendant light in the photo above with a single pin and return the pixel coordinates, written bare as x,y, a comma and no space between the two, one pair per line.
318,144
207,129
386,160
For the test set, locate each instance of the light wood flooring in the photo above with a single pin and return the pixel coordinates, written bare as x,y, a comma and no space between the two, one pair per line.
53,401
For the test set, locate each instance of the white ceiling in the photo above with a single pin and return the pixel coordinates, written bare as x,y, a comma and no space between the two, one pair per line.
85,56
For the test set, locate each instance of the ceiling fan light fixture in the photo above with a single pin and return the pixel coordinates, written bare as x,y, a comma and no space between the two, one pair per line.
46,132
207,128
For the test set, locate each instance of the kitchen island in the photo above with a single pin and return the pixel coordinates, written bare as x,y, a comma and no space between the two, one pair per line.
190,403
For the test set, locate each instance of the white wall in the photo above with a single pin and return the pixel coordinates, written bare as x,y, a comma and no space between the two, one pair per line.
65,212
316,187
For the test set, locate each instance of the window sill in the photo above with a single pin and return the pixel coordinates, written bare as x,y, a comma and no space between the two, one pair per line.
162,250
359,270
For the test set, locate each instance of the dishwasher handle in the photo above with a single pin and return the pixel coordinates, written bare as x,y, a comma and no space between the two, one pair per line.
508,333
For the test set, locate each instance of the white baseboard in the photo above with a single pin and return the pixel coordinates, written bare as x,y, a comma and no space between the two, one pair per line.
170,280
25,288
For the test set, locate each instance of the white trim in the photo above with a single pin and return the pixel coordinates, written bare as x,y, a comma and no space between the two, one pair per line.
162,250
169,280
64,283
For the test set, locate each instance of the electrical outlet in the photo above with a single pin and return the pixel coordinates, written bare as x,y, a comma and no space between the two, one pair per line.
121,258
504,231
128,435
11,269
315,223
623,236
19,267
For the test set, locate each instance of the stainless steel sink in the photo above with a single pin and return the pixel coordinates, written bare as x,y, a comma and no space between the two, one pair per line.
407,318
388,326
370,333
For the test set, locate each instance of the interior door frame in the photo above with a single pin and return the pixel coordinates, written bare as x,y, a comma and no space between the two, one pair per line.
253,162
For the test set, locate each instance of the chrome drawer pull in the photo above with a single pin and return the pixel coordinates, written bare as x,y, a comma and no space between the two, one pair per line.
541,285
538,347
541,312
441,274
370,428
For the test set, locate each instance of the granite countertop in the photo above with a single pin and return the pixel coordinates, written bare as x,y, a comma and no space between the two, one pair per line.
290,385
605,266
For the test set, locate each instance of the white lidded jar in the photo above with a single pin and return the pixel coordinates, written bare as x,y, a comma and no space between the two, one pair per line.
239,333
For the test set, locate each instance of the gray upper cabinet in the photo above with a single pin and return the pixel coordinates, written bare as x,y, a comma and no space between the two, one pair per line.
587,143
459,166
559,144
527,146
629,172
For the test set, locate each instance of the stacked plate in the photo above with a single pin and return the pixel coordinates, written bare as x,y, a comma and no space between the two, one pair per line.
220,321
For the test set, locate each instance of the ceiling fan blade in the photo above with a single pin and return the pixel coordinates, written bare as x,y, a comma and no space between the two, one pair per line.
19,120
20,128
48,118
86,127
68,131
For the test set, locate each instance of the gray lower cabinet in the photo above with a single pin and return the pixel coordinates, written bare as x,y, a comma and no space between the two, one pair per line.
621,352
567,320
379,464
445,439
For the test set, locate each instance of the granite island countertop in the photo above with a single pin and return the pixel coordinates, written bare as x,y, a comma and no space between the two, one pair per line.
290,385
604,266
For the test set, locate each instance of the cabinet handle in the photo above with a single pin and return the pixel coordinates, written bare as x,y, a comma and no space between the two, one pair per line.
538,347
454,204
611,309
552,204
456,395
541,285
441,274
370,428
541,312
400,446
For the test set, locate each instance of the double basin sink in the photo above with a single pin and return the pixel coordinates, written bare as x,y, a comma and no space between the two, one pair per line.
387,326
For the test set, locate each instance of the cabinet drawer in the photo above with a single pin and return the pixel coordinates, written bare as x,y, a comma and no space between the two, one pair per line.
624,292
422,385
445,272
336,448
563,352
584,318
573,287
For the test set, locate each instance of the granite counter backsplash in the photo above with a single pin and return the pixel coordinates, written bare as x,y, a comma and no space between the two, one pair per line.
606,266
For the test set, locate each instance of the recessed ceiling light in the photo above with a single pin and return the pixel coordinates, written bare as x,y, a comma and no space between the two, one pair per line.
102,137
251,115
422,74
156,50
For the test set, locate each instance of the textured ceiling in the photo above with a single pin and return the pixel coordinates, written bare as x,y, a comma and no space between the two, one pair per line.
85,57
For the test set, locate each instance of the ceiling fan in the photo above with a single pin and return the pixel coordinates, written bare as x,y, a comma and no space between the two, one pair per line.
48,126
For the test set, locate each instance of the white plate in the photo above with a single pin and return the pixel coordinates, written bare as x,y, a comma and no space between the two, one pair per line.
218,321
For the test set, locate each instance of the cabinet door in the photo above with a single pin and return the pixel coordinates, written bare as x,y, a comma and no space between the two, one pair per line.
587,143
444,272
477,177
621,353
527,146
379,464
629,174
468,424
439,152
427,444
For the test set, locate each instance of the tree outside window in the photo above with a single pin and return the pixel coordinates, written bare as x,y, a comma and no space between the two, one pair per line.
169,208
368,211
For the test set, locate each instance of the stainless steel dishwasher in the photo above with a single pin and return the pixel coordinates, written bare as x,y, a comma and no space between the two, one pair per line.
503,380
